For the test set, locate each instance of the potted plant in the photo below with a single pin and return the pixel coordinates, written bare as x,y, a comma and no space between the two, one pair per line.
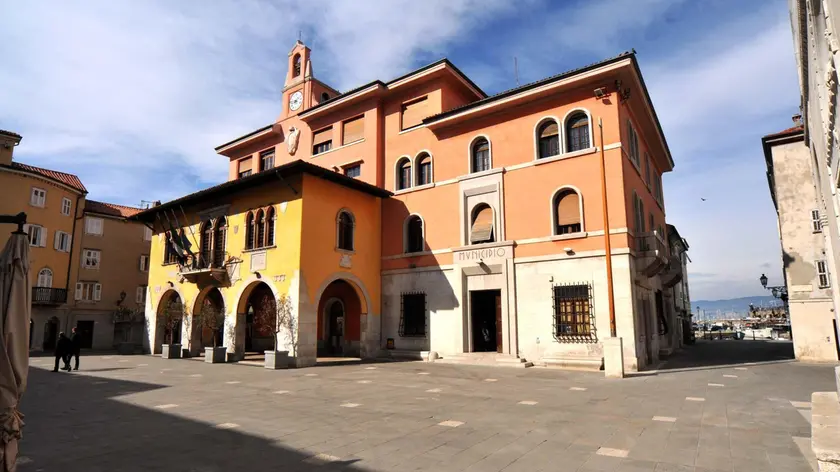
170,321
212,318
127,317
280,318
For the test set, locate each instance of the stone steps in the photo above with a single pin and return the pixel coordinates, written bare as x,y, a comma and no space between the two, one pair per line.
489,359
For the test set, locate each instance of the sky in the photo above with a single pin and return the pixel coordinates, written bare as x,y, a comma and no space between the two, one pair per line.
133,96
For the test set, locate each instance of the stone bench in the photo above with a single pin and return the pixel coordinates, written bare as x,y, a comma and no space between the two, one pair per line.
575,362
825,430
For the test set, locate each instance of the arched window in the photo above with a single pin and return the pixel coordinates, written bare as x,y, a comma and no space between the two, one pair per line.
249,231
403,174
414,241
424,169
548,137
482,230
577,132
219,241
296,65
325,96
206,244
567,212
480,155
271,219
44,278
345,230
259,233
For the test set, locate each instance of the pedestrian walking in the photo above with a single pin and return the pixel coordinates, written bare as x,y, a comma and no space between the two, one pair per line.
76,344
63,348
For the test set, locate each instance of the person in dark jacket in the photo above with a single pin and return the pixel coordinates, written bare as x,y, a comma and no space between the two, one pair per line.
62,349
76,344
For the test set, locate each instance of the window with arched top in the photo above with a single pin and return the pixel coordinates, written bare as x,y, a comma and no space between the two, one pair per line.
325,96
250,230
480,155
219,241
577,132
414,241
45,278
482,228
548,139
205,250
296,65
403,174
270,220
424,169
567,212
259,231
345,229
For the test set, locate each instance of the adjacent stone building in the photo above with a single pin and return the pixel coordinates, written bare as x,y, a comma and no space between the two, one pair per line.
804,257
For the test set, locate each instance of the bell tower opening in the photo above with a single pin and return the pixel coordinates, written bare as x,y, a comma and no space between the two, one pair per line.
302,90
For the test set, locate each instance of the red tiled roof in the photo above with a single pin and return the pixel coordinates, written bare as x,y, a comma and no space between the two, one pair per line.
62,177
111,209
787,131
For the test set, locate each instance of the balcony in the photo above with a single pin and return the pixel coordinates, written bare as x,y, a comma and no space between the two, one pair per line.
651,253
672,275
48,296
199,267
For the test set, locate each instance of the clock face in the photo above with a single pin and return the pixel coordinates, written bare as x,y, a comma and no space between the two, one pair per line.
296,100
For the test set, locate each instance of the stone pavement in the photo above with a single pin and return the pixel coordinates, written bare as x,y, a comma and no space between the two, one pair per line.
132,413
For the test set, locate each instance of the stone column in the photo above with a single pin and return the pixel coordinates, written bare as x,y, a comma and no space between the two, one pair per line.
613,358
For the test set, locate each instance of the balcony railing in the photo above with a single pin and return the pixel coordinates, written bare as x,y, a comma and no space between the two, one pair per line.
48,296
205,264
651,249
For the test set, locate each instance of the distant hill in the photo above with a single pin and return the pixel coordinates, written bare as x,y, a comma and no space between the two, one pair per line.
716,309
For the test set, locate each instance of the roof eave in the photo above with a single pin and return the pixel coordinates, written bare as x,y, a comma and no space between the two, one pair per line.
253,135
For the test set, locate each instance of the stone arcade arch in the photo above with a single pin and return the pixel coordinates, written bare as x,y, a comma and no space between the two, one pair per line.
341,318
164,335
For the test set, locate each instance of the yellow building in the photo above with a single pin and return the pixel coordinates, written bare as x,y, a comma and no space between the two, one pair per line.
65,294
298,230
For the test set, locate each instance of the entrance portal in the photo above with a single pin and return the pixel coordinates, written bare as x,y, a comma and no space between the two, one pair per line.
335,328
339,321
50,334
85,332
486,320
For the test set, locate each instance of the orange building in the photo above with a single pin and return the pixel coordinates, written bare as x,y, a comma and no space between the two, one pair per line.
492,233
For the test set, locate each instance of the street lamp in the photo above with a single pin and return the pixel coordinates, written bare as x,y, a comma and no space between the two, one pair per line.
778,291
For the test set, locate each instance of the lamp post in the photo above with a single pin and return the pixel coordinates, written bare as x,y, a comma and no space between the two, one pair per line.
778,291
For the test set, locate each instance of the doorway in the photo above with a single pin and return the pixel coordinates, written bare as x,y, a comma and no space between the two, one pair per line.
85,331
486,320
50,334
335,328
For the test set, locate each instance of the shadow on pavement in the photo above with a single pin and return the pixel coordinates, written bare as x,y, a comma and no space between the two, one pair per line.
721,353
78,423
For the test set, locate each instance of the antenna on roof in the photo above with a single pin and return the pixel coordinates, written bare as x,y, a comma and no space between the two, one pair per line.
146,204
516,70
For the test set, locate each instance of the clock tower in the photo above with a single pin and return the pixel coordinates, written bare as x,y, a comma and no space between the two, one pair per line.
301,90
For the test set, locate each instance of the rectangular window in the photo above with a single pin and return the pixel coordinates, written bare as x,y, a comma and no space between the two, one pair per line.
62,241
634,143
88,291
244,168
572,315
38,197
267,159
66,206
140,296
647,169
413,112
822,273
657,191
413,315
147,233
354,171
90,258
322,141
37,235
816,224
353,130
93,226
144,263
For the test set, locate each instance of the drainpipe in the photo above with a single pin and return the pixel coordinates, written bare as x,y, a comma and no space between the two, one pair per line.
70,260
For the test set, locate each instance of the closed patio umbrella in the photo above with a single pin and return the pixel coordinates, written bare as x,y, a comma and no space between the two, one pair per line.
15,308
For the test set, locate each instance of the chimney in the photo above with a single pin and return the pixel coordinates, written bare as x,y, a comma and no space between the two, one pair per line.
8,141
797,120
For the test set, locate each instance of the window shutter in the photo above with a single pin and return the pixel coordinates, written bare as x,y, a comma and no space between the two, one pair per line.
42,237
78,291
57,241
354,130
549,130
69,243
568,209
97,292
482,228
322,136
414,112
245,164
